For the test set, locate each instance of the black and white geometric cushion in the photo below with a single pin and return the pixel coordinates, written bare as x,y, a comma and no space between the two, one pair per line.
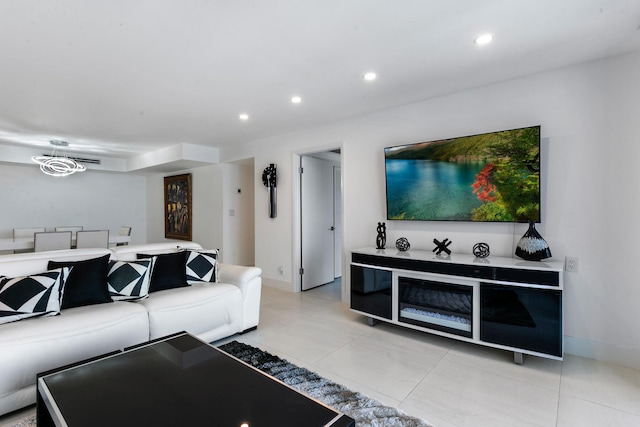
202,266
30,296
129,281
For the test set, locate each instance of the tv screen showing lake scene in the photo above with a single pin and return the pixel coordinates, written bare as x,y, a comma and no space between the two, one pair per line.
491,177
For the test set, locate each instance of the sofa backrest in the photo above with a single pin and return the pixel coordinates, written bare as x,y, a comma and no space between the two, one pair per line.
36,262
129,252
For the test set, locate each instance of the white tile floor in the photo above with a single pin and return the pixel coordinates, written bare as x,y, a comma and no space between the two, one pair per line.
446,382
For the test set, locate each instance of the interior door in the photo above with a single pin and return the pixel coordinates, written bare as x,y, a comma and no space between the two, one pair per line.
317,229
337,221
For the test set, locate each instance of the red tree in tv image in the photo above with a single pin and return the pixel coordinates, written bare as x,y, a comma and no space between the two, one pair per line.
509,188
482,186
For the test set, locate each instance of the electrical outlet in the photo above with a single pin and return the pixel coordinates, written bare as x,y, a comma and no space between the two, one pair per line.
571,264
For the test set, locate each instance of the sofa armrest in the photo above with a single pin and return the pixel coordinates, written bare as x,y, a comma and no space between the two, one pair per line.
250,283
237,274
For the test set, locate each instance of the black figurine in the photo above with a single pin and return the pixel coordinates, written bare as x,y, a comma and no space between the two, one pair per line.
442,246
381,239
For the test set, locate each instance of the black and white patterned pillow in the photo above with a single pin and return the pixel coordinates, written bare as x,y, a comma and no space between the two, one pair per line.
202,266
129,280
31,296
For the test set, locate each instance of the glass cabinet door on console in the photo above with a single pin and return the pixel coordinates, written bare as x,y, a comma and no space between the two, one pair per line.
442,306
526,318
371,290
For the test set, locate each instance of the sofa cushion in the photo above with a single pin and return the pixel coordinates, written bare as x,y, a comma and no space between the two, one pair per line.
40,344
87,282
168,271
201,266
31,296
197,309
129,281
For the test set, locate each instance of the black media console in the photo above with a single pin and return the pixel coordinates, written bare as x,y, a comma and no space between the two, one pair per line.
505,303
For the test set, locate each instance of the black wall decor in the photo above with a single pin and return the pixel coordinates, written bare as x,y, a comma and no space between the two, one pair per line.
270,180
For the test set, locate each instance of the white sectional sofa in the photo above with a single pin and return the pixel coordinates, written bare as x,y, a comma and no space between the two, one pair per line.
210,311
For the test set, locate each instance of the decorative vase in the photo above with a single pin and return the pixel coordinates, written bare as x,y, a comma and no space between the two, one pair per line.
532,246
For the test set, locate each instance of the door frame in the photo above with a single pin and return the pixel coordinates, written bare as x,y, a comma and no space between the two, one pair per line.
296,201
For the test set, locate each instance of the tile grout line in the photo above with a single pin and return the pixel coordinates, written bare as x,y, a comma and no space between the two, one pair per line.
559,392
424,377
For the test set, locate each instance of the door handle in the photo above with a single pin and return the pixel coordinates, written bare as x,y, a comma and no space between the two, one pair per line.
332,228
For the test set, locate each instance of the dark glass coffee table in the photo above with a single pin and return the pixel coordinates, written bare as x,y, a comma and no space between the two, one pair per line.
174,381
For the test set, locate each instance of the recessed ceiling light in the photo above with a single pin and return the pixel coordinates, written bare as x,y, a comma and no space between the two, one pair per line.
370,76
296,99
244,116
483,39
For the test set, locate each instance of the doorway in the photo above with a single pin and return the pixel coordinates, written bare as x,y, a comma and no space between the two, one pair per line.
320,200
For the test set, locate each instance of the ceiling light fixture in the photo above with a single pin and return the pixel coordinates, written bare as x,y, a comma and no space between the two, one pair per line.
244,117
56,165
370,76
483,39
296,99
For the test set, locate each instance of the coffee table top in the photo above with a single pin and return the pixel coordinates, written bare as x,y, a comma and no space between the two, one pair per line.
178,380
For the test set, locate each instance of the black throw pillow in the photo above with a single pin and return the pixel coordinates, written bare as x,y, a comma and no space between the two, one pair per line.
87,282
168,272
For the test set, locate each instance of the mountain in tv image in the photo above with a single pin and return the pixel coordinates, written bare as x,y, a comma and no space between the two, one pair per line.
491,177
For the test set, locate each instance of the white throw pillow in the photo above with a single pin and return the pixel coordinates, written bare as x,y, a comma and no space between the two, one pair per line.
202,266
31,296
129,280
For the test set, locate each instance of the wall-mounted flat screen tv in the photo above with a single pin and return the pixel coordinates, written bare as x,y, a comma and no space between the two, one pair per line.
490,177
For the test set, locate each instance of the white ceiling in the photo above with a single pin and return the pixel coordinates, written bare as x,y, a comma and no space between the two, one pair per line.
119,78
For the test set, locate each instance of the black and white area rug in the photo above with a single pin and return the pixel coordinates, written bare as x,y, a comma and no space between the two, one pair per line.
28,421
365,411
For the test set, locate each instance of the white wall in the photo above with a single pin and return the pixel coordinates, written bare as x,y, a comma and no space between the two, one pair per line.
215,193
206,197
591,141
95,200
239,214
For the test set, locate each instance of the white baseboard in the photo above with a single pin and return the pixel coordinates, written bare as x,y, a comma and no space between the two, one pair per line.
605,352
278,284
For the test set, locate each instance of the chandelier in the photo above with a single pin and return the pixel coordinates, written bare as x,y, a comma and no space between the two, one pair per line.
58,165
